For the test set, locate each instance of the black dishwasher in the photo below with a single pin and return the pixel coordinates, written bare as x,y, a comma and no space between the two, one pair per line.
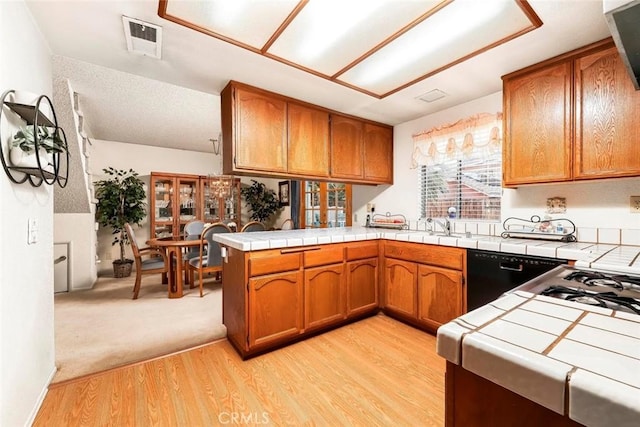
490,274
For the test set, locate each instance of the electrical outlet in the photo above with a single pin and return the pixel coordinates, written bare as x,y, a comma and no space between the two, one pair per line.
634,204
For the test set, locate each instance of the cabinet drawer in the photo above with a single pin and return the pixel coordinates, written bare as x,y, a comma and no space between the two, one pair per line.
443,256
331,254
273,263
362,251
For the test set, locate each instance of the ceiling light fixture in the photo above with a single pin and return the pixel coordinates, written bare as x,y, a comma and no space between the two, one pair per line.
219,185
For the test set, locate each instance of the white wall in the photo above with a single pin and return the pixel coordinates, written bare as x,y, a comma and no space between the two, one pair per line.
78,230
596,203
26,273
146,159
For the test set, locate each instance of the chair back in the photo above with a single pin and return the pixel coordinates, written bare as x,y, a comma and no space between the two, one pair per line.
212,256
194,228
253,226
132,240
287,224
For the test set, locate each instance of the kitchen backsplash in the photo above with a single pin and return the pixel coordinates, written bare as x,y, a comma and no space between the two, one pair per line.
613,236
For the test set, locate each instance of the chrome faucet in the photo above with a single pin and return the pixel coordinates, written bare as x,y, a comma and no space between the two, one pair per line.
446,225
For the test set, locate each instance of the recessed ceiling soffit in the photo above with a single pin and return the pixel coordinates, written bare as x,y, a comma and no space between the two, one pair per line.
377,47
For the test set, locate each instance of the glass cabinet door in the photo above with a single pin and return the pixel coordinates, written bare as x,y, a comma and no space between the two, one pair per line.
162,206
187,200
211,204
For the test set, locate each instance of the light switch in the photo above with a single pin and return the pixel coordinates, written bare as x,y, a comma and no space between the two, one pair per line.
32,231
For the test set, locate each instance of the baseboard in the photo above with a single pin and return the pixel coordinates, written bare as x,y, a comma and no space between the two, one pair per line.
43,394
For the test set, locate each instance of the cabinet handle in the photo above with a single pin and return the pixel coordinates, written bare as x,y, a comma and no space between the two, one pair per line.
292,251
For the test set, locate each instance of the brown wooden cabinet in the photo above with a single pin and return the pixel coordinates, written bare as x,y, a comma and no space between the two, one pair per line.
267,134
361,151
423,284
176,199
537,126
571,117
362,277
275,308
607,109
308,141
440,298
378,153
275,296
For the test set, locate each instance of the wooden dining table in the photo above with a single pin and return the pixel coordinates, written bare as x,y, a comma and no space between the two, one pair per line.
174,247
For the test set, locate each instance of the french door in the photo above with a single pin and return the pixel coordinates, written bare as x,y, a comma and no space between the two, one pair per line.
325,204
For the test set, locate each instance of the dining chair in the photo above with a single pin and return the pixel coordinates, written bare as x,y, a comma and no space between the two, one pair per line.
157,261
253,226
287,224
210,257
192,231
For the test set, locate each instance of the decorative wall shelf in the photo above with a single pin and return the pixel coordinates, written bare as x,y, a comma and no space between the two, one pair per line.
33,116
559,229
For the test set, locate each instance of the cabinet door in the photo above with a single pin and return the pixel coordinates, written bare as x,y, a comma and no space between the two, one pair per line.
378,153
346,147
362,286
439,295
308,134
275,307
537,126
323,295
260,132
400,280
186,208
607,111
162,202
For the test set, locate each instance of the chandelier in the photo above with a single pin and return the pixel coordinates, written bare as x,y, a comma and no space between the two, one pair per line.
220,185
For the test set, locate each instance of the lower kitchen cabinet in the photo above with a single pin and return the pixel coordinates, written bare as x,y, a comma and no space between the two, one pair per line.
423,284
400,279
362,286
275,307
323,295
440,295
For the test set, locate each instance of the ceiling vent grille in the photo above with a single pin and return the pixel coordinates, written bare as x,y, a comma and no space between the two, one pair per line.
432,95
142,37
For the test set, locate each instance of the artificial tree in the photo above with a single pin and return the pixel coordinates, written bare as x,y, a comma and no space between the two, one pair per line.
121,200
262,201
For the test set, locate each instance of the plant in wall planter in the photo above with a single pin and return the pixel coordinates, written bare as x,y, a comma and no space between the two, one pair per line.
121,199
263,202
23,147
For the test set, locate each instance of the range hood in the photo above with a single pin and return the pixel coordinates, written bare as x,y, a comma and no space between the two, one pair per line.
623,18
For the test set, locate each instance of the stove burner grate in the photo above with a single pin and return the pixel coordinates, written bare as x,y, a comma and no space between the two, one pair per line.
602,299
594,278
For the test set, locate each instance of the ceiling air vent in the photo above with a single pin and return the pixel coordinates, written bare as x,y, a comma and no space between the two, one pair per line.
432,95
142,37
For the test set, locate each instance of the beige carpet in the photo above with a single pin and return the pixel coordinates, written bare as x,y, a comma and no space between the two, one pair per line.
103,327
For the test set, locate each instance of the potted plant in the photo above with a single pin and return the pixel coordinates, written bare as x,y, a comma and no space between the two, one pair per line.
23,147
263,202
121,199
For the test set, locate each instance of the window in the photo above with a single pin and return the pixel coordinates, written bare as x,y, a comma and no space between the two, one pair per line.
460,174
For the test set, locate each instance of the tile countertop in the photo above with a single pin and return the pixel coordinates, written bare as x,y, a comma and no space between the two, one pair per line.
543,348
594,255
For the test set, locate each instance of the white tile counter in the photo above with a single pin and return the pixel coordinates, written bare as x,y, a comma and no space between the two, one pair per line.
543,348
594,255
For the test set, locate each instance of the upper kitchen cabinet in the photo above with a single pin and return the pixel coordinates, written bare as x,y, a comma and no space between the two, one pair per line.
308,136
537,126
571,117
378,153
267,134
607,111
254,130
361,151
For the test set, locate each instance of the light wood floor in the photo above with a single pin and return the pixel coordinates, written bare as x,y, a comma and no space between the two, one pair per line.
376,372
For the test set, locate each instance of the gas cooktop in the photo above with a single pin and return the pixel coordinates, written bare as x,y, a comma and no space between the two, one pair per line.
611,290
